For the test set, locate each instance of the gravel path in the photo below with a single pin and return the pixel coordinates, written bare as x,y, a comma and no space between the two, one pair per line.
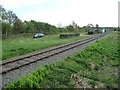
15,75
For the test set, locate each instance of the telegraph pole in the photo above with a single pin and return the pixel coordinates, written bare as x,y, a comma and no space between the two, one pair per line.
119,14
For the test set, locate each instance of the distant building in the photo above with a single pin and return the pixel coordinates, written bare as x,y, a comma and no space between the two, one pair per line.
102,30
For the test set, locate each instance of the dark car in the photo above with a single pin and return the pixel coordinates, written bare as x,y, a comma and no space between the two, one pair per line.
38,35
90,32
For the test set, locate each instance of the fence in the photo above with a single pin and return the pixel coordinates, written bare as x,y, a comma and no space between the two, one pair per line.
17,35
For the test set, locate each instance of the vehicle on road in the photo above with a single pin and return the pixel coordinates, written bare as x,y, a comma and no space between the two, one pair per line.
38,35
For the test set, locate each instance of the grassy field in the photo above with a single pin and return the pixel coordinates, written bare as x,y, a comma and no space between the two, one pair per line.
23,45
95,67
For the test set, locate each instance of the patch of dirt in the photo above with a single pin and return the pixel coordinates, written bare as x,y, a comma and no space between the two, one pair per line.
82,82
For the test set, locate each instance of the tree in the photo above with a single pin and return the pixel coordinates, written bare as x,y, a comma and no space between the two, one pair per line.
18,26
10,22
70,27
47,28
4,15
12,18
74,24
97,26
29,27
5,22
5,28
90,25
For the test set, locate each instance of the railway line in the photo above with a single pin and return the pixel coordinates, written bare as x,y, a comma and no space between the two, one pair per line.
29,59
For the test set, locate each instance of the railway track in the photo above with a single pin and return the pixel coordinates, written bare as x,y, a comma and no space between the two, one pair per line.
23,61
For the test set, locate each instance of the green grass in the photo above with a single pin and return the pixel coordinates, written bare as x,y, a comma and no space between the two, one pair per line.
95,66
23,45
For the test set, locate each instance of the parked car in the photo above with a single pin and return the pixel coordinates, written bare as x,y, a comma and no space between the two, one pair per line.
38,35
90,32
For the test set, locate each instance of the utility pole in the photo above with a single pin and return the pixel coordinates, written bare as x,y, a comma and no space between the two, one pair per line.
119,14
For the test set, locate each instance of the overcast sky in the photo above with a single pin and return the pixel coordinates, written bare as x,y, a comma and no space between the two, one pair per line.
83,12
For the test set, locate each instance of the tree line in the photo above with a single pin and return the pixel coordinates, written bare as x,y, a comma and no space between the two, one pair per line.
12,24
